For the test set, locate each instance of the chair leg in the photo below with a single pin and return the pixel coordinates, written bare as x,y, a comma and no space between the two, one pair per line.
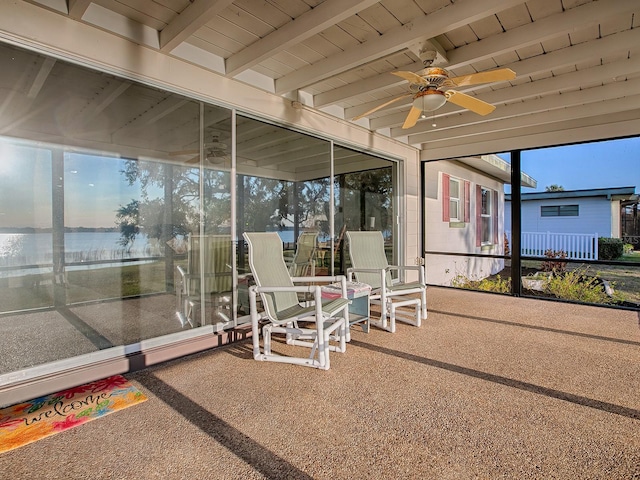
414,319
266,338
424,304
392,317
188,311
383,316
323,351
344,335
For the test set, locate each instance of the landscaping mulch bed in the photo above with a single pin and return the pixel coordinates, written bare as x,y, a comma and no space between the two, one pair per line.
530,271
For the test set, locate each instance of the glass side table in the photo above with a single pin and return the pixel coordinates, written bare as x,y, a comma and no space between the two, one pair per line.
358,293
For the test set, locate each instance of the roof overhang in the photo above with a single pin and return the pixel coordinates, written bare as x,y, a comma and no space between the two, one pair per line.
497,167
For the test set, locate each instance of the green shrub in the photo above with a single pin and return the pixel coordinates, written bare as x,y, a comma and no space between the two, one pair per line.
610,248
577,286
497,284
627,248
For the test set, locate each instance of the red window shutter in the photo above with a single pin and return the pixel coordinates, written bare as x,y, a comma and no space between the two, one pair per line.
494,213
445,198
467,201
478,215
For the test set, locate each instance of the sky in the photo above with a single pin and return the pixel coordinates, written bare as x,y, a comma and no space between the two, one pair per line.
606,164
94,188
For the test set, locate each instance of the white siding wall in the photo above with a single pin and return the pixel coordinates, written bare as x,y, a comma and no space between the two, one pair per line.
440,236
595,214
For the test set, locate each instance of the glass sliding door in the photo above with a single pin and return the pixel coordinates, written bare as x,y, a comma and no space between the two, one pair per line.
104,183
364,192
282,186
26,219
122,209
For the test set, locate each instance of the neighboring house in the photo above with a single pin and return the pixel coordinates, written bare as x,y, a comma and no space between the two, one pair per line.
593,211
464,209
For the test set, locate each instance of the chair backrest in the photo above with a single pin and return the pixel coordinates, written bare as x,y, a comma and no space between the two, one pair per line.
366,250
211,255
269,270
338,242
305,254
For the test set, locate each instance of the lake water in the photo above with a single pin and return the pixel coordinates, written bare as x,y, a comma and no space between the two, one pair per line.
36,249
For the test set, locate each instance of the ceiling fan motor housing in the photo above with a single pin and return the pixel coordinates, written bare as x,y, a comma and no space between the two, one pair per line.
435,76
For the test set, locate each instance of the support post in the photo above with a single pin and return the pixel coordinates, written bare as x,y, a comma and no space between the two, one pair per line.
516,227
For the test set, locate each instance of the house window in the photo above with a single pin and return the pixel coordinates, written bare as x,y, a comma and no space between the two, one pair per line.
455,200
486,216
486,210
559,211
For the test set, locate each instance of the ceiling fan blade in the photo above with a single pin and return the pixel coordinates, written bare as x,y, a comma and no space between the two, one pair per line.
381,106
412,118
193,160
483,77
470,103
411,77
180,153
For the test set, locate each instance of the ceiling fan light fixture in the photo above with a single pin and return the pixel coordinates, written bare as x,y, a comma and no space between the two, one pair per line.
430,100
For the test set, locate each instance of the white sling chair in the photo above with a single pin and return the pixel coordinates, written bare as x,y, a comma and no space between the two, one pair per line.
304,260
369,265
310,326
210,255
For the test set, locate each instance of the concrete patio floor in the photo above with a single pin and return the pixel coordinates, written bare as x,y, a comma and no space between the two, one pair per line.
488,387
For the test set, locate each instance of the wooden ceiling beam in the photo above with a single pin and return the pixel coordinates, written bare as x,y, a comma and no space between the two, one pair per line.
196,15
314,21
450,17
605,99
526,35
628,41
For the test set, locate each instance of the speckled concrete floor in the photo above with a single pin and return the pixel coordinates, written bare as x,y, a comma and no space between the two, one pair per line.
488,387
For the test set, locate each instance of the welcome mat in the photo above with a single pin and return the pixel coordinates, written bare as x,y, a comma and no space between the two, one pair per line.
30,421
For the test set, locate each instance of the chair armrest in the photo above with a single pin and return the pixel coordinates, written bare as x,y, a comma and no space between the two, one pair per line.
364,270
418,268
297,289
322,278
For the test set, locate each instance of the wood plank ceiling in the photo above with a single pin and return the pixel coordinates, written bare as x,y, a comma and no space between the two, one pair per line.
577,62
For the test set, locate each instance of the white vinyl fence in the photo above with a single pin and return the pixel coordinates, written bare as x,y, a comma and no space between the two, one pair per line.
577,246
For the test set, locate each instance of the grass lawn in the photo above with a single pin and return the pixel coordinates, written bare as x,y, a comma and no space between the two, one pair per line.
626,280
36,291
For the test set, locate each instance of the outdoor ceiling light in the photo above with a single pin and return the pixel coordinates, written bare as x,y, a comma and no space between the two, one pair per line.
430,100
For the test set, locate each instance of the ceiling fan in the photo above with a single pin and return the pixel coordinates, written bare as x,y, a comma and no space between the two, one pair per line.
215,152
428,89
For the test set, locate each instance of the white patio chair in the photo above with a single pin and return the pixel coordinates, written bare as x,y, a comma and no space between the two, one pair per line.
304,260
370,265
311,326
207,276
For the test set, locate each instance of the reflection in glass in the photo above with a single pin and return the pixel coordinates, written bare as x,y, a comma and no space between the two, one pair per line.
364,200
283,187
117,203
103,180
26,245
